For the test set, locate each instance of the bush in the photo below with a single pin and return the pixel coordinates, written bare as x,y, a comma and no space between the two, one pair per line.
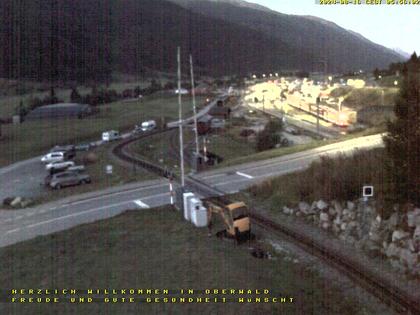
8,200
339,178
269,137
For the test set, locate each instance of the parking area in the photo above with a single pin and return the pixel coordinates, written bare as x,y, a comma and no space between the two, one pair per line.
23,180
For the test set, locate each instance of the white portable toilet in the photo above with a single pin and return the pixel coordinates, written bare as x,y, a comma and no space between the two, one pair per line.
187,209
198,213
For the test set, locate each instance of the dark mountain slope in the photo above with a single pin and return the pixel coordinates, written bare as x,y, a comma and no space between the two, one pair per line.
323,40
79,40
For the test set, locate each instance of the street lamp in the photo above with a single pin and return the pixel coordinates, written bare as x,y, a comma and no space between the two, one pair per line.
395,82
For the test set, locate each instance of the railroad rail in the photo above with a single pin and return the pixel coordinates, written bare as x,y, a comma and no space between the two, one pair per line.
385,291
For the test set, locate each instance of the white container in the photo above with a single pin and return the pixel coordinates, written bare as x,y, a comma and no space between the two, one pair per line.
187,209
199,216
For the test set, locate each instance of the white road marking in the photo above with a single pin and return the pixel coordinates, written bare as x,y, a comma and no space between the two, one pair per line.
77,214
245,175
84,212
261,176
113,194
141,204
12,231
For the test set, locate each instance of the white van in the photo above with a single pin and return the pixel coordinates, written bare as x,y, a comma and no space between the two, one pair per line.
110,135
148,125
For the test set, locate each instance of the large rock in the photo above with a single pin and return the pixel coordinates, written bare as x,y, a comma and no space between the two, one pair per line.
16,202
393,220
304,207
324,217
325,225
399,235
408,258
287,210
413,218
338,208
351,205
26,203
332,212
321,205
416,234
392,251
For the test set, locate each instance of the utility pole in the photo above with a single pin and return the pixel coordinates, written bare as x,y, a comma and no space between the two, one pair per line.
318,100
194,108
181,138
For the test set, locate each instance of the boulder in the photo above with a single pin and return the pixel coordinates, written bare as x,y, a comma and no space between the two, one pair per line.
408,258
410,245
399,235
287,210
332,212
16,202
337,220
338,208
397,265
413,218
350,205
25,203
304,207
392,251
393,220
336,229
325,225
374,237
321,205
323,217
343,226
416,234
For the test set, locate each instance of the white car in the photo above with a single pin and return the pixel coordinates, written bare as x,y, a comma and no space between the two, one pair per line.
53,157
59,165
148,125
110,135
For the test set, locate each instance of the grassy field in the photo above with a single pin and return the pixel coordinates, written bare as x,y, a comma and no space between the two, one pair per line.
100,180
162,149
360,98
273,153
157,249
35,137
9,100
338,178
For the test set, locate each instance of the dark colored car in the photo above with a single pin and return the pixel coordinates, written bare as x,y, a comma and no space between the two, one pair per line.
83,147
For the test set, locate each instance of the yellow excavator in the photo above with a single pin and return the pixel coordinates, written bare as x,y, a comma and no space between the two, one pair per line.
235,218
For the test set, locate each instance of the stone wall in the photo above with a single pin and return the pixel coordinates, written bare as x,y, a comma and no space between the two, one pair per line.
360,224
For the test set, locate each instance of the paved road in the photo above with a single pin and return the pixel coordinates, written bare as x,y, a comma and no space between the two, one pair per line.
16,226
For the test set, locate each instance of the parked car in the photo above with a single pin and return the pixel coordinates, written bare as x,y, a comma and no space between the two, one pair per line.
59,165
76,168
67,178
53,157
148,125
70,150
110,135
83,147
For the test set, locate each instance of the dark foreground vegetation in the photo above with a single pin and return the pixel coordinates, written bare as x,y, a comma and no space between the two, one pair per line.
156,248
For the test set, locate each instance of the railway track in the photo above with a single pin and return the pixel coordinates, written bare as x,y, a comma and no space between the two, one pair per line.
387,292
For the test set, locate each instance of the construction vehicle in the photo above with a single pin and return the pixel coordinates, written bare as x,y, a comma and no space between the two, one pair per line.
235,218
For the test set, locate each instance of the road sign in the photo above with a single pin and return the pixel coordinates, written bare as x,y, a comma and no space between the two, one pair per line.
109,169
367,191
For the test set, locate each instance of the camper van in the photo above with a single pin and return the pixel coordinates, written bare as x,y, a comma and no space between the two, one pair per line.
110,135
148,125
